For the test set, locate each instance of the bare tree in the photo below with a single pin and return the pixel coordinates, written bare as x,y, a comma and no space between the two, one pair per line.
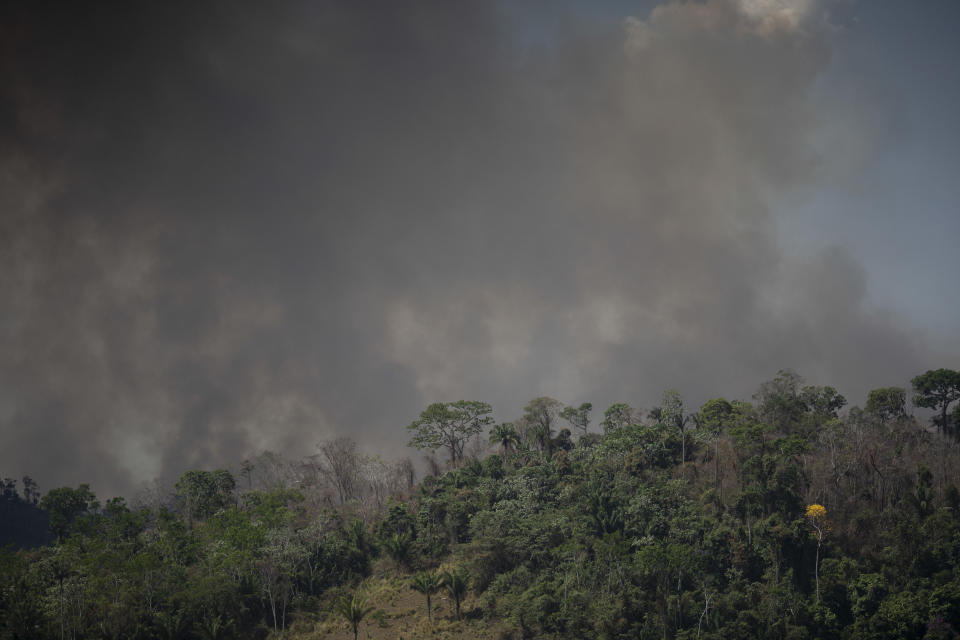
340,465
408,473
382,478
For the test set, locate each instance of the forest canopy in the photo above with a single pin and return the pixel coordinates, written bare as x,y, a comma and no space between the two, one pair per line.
786,516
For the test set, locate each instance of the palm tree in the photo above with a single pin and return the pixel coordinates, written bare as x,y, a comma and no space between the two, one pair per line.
354,609
505,435
427,583
398,546
456,583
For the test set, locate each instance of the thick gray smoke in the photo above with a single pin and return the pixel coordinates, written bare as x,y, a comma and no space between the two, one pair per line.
262,226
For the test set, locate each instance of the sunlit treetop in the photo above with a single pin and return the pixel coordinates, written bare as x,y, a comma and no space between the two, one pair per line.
816,512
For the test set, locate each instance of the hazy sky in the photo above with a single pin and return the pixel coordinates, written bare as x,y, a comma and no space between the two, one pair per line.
240,226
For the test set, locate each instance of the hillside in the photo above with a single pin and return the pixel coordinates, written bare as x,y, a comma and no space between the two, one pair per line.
791,516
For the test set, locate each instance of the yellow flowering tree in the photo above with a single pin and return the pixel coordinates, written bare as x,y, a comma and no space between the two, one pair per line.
817,517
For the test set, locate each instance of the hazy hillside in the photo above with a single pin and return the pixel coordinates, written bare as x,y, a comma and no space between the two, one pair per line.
790,516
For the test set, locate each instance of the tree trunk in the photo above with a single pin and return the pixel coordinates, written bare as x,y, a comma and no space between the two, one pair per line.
816,569
61,608
716,465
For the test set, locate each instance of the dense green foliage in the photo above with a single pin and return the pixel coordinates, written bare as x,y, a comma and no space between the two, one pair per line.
777,518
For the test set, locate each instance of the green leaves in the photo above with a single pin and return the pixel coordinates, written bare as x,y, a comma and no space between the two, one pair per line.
205,492
937,389
887,404
450,425
617,416
354,609
505,435
65,505
427,583
455,582
398,547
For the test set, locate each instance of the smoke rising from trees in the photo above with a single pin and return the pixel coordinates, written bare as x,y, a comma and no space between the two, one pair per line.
228,230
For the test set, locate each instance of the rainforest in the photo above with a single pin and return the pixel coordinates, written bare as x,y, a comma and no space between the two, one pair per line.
792,515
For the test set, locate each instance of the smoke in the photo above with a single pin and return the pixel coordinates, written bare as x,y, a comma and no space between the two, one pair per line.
263,227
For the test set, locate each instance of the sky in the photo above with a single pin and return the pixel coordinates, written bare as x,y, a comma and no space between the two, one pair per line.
233,227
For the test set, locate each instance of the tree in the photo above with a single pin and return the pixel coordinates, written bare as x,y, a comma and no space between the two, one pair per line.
578,418
716,416
64,505
617,416
817,516
205,492
60,570
8,489
398,547
821,408
354,609
541,414
427,583
282,555
671,414
450,425
455,582
31,493
937,389
778,401
505,435
339,463
887,404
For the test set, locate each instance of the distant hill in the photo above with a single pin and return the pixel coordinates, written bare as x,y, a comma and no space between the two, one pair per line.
23,524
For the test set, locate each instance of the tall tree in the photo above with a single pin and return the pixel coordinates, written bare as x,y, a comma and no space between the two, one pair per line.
778,401
716,416
205,492
505,435
455,582
354,609
671,414
937,389
427,583
817,517
339,463
541,415
887,404
31,493
64,505
579,417
617,416
821,407
450,425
